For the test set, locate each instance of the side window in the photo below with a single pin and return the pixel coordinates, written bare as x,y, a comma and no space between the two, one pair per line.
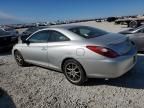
40,37
57,37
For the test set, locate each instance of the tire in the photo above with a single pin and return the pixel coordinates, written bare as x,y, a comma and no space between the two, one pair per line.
74,72
134,24
19,59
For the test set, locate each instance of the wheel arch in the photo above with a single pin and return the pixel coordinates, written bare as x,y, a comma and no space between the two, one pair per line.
15,50
65,59
68,58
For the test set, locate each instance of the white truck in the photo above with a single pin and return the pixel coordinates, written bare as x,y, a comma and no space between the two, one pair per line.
131,22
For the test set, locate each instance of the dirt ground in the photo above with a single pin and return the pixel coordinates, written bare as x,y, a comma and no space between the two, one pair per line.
37,87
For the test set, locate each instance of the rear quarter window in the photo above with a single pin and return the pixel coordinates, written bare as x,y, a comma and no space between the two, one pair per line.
88,32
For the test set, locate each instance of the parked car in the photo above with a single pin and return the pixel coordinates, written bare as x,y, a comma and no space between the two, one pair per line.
136,35
80,52
29,31
111,19
8,37
131,22
98,20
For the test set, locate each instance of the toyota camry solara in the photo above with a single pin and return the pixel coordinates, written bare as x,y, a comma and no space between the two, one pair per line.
80,52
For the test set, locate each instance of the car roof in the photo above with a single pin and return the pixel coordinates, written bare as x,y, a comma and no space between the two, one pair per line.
67,26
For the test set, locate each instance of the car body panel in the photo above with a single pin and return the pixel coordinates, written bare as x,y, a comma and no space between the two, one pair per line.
109,68
35,53
136,35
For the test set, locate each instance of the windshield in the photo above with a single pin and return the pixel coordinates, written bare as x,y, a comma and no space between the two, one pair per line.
88,32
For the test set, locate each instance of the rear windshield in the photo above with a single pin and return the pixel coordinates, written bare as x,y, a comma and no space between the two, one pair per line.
88,32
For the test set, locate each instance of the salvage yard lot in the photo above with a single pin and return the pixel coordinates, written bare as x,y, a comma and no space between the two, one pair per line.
37,87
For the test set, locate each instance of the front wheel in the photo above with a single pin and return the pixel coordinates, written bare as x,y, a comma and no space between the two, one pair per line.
74,72
19,58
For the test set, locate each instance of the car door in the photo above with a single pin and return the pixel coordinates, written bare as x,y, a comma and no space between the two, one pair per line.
57,47
36,50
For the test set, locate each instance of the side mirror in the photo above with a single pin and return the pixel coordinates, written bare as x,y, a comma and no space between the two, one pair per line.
26,41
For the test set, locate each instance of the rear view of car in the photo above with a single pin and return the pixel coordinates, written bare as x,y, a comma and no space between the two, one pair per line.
108,55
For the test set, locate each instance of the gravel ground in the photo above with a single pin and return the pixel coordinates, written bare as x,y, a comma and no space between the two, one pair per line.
36,87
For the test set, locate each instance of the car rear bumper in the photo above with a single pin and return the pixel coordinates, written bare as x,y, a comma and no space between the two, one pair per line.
109,68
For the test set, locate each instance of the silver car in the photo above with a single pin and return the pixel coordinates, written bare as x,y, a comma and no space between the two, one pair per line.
137,36
80,52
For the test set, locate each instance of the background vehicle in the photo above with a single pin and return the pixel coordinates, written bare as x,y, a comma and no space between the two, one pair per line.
136,35
80,52
131,22
8,37
111,19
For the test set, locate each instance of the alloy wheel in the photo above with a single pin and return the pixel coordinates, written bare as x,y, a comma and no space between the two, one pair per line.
73,72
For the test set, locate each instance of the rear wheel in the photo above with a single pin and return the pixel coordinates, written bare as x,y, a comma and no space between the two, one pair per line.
74,72
19,58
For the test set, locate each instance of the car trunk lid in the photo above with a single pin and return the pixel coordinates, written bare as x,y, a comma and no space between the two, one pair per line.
116,42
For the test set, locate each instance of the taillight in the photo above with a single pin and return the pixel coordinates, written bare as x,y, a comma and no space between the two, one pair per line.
103,51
